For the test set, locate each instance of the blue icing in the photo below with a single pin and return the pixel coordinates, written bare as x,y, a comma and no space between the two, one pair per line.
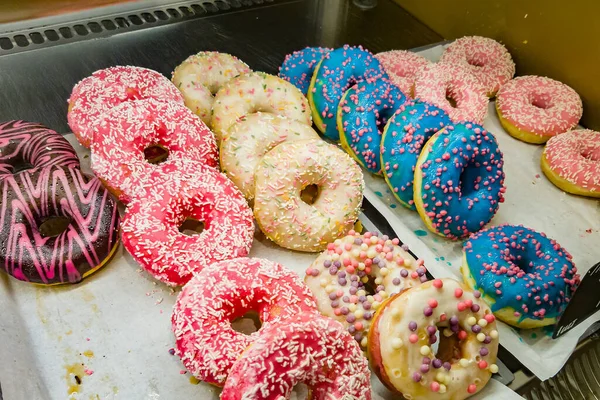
298,67
403,137
532,274
336,73
461,180
362,114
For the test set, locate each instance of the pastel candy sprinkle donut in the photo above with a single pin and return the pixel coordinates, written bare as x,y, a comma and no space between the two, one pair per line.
526,277
336,73
404,136
125,134
201,76
283,175
459,180
535,108
455,90
151,226
316,351
58,225
250,139
402,66
254,92
407,326
363,112
298,67
109,87
342,276
26,145
486,59
572,162
222,292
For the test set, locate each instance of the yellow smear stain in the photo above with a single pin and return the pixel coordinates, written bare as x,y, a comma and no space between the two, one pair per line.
40,308
69,332
87,295
74,376
88,353
193,380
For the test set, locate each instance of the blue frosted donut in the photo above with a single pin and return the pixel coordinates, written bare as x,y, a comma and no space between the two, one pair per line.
403,138
527,278
298,67
459,180
335,73
363,112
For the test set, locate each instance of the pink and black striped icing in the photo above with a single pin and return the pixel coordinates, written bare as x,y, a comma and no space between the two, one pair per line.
30,198
26,145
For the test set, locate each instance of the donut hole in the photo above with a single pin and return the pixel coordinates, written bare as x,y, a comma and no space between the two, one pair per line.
299,392
541,102
310,193
590,154
447,348
248,323
475,62
132,94
470,179
54,226
156,153
191,226
450,97
20,166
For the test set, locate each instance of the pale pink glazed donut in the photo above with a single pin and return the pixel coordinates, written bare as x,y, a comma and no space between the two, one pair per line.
402,67
108,88
202,316
436,83
126,133
186,190
572,162
535,108
313,350
488,60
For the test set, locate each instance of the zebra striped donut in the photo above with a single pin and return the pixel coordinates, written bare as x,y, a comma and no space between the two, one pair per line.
29,199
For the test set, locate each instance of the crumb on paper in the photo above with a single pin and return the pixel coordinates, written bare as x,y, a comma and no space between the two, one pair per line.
88,371
157,302
537,176
183,372
172,351
87,339
589,230
525,15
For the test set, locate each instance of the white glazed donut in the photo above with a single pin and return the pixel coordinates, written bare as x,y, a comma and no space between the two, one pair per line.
340,278
250,139
285,172
404,331
257,91
201,76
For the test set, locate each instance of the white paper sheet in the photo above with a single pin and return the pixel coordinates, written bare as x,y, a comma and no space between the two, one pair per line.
116,326
530,200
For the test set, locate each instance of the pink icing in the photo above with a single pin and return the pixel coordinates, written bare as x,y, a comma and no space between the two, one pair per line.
539,105
108,88
402,67
205,340
575,156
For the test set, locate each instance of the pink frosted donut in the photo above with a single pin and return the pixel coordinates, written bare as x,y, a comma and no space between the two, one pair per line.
313,350
437,83
126,134
572,162
108,88
402,67
535,108
205,340
186,190
488,60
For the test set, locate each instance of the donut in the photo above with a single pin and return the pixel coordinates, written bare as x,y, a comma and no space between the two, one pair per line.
403,137
298,67
486,59
535,108
363,112
452,88
404,331
572,162
312,350
402,67
125,133
282,175
257,91
151,225
222,292
337,71
527,278
201,76
26,145
459,180
57,226
109,87
250,139
342,277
